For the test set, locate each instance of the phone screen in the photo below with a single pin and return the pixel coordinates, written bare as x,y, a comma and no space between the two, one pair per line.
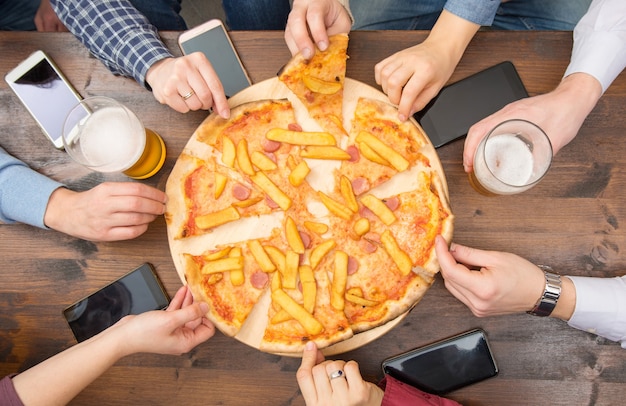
213,41
137,292
445,365
46,95
462,104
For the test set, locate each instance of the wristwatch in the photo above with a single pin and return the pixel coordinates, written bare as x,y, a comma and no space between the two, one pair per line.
551,294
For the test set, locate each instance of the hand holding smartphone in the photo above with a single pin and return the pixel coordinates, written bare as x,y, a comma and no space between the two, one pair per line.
464,103
45,92
212,39
445,365
134,293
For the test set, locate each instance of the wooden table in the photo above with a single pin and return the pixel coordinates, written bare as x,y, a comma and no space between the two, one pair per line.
570,221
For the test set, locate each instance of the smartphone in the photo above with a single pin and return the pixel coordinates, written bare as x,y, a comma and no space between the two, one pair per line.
137,292
46,93
212,39
445,365
462,104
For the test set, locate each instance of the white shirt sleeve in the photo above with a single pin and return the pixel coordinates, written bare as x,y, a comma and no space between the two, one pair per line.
600,42
600,307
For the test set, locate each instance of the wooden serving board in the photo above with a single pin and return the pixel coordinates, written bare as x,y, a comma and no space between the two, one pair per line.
253,329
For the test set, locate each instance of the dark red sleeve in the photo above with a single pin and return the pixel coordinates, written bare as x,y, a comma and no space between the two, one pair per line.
400,394
8,395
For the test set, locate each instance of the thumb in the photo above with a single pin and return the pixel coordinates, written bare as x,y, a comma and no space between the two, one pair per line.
309,356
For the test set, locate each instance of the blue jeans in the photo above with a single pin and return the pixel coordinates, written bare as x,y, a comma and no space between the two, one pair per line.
19,15
422,15
256,14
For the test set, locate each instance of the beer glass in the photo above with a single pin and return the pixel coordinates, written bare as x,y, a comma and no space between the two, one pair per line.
105,136
512,158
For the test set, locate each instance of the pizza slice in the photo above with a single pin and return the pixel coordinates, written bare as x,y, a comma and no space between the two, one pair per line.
303,314
318,83
230,280
381,145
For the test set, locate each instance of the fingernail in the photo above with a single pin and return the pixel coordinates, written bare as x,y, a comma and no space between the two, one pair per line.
322,45
309,346
401,117
225,113
307,53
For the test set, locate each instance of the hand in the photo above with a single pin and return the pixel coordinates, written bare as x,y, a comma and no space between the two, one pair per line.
412,77
559,113
175,331
47,20
110,211
321,18
505,283
318,389
173,78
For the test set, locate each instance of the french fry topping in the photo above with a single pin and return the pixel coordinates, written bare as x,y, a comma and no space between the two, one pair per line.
243,158
338,209
260,256
309,323
278,196
392,156
340,278
217,218
324,152
300,137
262,161
401,258
318,85
379,208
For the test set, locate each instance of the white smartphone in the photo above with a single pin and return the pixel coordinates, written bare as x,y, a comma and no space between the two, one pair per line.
46,93
212,39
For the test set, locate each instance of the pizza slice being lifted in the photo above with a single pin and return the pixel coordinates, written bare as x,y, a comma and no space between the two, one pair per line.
319,82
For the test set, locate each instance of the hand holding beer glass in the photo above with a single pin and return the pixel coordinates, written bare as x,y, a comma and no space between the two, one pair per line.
104,135
512,158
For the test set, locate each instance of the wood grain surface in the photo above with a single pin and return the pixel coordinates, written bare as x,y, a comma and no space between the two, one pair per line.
571,221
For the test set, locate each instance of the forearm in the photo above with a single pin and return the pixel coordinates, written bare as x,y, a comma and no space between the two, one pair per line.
57,380
116,33
25,192
451,35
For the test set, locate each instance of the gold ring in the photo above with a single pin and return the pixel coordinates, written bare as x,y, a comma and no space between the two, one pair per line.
188,95
336,374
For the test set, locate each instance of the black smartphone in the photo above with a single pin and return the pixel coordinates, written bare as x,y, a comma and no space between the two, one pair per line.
462,104
445,365
212,39
136,292
45,92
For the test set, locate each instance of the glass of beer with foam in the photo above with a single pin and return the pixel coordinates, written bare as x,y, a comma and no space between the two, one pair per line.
104,135
512,158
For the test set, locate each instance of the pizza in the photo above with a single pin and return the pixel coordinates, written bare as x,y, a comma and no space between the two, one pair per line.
318,83
292,231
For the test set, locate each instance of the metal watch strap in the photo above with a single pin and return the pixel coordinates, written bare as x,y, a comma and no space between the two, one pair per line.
551,293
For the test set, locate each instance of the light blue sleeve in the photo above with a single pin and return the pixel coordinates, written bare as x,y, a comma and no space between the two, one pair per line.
601,307
24,193
480,12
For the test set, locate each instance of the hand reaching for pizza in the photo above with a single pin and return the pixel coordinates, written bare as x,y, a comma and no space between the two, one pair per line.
321,382
175,331
320,18
413,76
188,83
111,211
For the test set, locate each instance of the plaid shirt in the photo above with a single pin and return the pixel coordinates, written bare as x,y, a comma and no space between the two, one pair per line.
116,33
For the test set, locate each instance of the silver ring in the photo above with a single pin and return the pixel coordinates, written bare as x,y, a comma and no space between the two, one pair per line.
188,95
336,374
